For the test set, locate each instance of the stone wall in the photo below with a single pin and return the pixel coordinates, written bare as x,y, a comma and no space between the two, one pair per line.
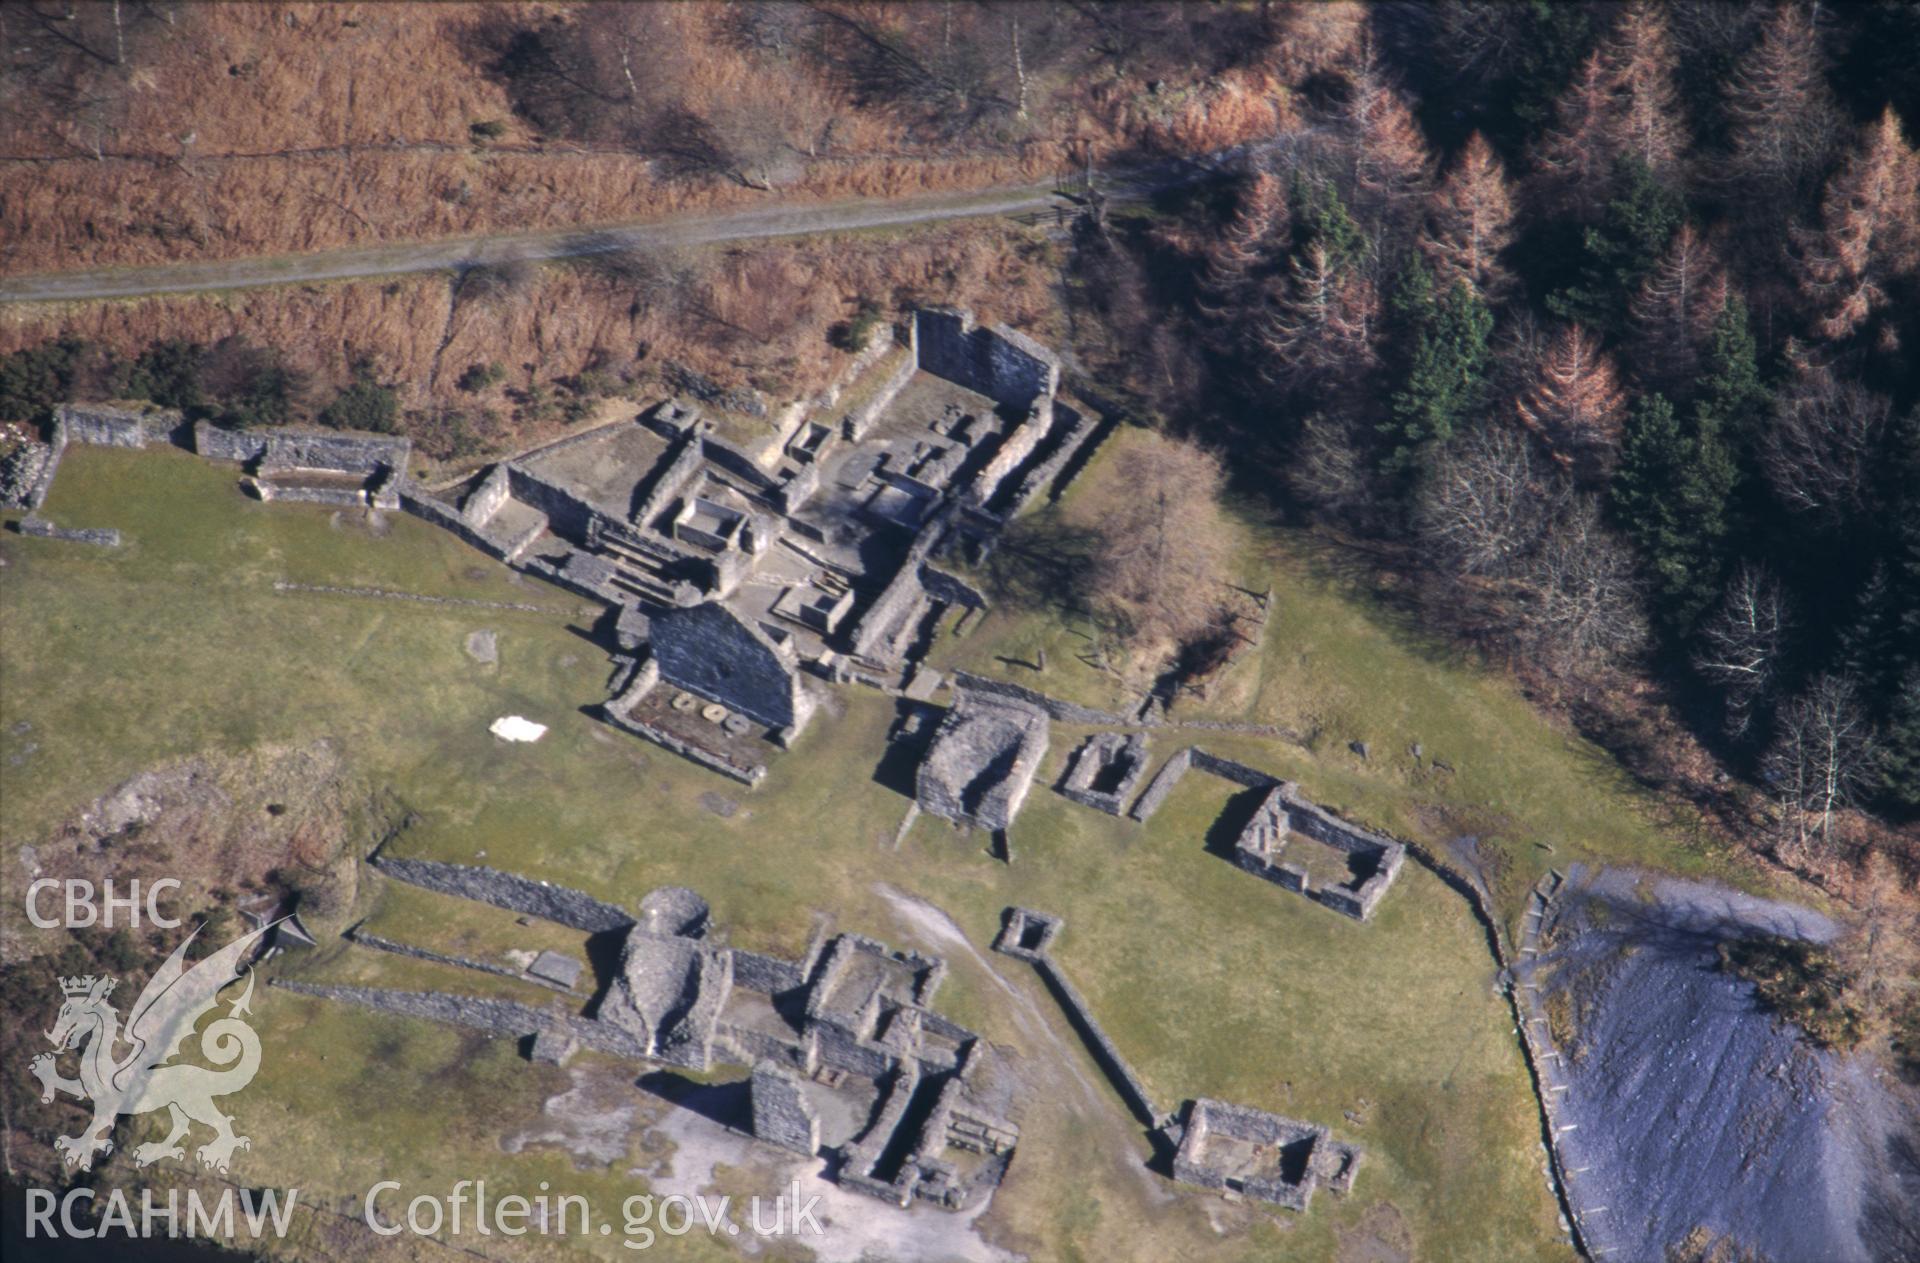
302,449
782,1114
1130,1086
1056,709
502,1019
103,536
1162,784
951,589
573,908
349,454
101,426
485,500
768,974
857,421
214,443
26,473
713,652
1007,367
567,513
1115,760
398,948
444,516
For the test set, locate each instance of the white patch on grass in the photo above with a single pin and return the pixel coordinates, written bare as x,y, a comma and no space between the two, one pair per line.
514,728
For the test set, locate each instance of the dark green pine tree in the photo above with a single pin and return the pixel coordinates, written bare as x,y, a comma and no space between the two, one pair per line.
1443,369
1731,391
1319,216
1617,255
1670,493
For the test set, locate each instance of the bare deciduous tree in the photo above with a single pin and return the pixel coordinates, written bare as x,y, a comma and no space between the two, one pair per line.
1820,757
1585,605
1488,501
1158,570
1818,454
1740,643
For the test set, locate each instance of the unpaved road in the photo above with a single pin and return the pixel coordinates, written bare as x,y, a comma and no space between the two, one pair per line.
692,230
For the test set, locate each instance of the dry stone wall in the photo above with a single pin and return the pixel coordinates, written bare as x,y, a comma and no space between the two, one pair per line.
566,906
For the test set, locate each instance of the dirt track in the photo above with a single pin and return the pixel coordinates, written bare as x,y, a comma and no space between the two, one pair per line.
459,253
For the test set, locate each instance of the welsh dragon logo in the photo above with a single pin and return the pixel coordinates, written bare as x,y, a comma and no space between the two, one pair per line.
137,1082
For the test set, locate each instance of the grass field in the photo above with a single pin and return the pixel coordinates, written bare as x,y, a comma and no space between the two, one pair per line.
1211,982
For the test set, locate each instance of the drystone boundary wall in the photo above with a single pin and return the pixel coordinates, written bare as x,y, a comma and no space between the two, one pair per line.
102,536
397,948
1057,710
573,908
1131,1088
26,473
502,1019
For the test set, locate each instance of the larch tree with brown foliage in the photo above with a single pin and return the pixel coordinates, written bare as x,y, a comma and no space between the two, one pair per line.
1392,166
1869,232
1469,222
1671,317
1574,160
1781,116
1260,225
1645,120
1321,324
1575,404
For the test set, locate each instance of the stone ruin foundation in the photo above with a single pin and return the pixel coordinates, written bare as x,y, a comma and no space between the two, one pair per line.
1302,848
1106,770
848,1059
1235,1149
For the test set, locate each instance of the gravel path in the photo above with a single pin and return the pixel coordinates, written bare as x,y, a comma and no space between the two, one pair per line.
693,230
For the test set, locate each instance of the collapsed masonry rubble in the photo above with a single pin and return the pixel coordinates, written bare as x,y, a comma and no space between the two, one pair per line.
1230,1148
847,1058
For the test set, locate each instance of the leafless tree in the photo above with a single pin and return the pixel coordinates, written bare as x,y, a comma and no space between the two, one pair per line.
1489,500
1330,469
1820,757
1584,603
1158,570
1740,643
1818,454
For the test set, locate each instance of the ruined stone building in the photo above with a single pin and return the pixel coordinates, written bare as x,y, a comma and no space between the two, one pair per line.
848,1058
